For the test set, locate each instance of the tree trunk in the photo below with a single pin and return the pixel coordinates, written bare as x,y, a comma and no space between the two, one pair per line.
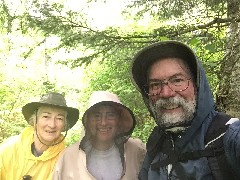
229,88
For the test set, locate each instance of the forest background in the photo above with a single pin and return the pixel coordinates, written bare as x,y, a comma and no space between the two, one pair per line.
78,46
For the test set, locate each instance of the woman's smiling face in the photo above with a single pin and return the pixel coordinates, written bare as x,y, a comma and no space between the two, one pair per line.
50,123
103,124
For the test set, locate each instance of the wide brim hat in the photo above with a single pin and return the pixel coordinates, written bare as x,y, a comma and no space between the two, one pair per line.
127,119
164,49
52,99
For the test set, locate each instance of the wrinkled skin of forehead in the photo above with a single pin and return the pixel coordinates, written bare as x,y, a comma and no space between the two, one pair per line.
183,65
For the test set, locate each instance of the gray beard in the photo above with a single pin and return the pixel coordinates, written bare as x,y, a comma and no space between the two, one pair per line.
172,120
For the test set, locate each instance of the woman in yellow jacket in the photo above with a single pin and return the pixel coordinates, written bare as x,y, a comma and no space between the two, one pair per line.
33,153
106,152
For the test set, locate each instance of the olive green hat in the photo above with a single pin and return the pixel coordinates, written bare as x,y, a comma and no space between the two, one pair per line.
52,99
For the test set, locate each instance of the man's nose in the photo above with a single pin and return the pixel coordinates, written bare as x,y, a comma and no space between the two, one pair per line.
166,91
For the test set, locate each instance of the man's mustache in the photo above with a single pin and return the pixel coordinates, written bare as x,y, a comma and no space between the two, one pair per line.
169,102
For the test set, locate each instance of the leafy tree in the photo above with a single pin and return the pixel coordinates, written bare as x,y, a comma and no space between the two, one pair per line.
202,24
209,27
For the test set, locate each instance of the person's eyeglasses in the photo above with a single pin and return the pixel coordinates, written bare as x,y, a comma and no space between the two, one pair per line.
176,84
97,116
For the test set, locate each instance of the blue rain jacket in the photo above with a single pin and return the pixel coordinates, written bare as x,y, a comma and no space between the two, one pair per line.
193,140
232,146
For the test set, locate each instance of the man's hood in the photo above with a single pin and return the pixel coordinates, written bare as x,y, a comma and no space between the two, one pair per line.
204,109
205,103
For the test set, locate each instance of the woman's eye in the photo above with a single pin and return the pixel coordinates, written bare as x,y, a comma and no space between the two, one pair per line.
97,116
60,119
111,115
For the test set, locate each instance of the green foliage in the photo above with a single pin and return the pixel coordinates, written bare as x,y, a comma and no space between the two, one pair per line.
143,131
106,54
210,53
12,121
74,135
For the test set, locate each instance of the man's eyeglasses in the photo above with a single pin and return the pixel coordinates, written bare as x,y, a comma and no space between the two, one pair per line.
176,84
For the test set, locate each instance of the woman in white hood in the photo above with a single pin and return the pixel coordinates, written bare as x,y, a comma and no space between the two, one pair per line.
106,151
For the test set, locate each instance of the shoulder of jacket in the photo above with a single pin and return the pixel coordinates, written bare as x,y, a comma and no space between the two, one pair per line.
233,132
72,148
232,121
10,142
135,142
216,130
135,145
71,153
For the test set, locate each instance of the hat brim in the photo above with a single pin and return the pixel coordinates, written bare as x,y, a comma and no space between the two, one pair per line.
127,119
165,49
72,113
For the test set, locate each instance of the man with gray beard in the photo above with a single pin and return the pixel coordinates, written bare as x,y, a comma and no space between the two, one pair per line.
175,89
173,120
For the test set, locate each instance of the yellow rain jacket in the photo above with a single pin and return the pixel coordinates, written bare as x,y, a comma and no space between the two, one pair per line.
17,160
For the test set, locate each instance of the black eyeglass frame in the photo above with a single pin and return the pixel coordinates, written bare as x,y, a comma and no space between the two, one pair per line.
165,82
